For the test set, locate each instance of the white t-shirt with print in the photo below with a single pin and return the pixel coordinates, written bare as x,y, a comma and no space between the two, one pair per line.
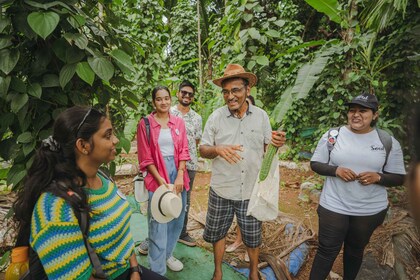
360,153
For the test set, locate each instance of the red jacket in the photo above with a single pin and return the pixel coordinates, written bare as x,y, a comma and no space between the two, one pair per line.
149,153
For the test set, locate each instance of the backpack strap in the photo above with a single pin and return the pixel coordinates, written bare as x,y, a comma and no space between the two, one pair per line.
333,133
386,140
83,222
104,174
147,124
82,217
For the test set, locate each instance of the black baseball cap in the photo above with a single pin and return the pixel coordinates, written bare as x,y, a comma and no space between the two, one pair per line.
366,100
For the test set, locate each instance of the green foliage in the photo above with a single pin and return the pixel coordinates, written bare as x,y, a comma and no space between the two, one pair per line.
328,7
183,53
310,58
43,46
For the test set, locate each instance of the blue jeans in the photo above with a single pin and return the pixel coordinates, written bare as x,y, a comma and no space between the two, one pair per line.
191,174
163,237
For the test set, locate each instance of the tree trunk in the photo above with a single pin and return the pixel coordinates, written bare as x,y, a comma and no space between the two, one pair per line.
200,68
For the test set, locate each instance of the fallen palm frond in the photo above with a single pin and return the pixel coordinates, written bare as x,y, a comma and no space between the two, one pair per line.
280,237
397,242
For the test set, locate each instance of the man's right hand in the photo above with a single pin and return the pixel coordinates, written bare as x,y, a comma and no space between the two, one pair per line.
229,153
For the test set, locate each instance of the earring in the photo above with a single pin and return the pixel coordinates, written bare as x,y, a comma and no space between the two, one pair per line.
85,152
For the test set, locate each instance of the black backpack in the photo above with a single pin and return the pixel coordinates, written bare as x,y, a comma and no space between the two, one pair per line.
36,270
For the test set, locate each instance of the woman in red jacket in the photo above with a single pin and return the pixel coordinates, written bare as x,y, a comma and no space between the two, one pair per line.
162,156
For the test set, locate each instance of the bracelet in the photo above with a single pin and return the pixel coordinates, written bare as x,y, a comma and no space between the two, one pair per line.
181,169
136,268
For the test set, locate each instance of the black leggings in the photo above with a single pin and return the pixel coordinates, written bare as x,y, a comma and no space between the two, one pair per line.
336,229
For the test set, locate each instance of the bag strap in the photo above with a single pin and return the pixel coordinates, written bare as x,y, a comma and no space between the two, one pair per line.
386,140
82,218
94,259
105,175
147,124
332,139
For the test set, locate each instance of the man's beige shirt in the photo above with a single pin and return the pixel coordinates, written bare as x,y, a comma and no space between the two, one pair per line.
253,131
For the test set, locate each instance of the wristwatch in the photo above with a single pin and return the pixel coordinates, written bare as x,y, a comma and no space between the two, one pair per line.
136,268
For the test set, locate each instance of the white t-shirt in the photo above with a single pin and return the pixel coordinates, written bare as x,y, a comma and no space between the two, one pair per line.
166,143
360,153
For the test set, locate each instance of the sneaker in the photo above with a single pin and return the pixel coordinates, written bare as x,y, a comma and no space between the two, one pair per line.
143,248
187,240
174,264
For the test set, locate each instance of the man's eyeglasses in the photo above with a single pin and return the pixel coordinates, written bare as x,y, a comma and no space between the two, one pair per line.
185,93
83,120
234,91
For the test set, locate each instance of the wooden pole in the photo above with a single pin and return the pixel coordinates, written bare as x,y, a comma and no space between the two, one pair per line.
200,67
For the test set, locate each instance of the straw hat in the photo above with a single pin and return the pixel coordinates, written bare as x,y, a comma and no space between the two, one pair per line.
165,205
236,71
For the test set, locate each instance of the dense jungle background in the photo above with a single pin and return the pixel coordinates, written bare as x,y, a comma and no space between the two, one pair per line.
310,56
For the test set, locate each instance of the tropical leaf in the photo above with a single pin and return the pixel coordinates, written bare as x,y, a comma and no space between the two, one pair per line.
327,7
262,60
25,137
78,39
35,90
85,73
379,14
254,33
16,173
18,101
43,23
283,106
76,20
8,60
102,67
3,23
47,5
123,59
5,41
4,85
273,33
308,74
66,73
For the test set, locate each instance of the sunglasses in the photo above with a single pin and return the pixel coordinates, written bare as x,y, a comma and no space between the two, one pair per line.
185,93
83,120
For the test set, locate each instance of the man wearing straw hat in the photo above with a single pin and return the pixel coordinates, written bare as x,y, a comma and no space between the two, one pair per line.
235,137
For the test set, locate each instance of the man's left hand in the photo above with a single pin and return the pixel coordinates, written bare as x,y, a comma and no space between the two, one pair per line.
278,138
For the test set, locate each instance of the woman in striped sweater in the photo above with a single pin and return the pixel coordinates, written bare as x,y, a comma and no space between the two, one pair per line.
83,139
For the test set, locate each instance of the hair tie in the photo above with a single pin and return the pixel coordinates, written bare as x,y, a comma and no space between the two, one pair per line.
51,144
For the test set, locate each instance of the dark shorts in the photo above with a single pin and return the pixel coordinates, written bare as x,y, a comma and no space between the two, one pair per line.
220,216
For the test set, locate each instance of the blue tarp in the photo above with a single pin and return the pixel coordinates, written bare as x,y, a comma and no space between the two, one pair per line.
293,263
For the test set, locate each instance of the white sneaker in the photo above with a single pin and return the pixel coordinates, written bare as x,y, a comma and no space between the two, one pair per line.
174,264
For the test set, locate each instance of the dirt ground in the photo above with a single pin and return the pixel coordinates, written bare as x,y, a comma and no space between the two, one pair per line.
288,203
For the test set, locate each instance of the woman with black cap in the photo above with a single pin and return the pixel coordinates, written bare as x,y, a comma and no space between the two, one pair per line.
359,161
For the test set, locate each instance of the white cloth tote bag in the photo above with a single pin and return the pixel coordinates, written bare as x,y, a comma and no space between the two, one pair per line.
264,201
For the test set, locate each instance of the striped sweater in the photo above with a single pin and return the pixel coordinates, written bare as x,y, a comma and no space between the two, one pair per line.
58,240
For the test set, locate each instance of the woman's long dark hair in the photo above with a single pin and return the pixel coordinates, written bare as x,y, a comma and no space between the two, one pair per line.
50,165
